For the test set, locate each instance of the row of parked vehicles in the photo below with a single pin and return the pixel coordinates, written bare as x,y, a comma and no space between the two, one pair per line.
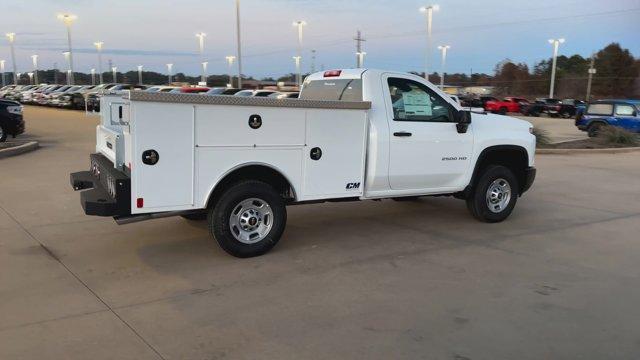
566,108
87,97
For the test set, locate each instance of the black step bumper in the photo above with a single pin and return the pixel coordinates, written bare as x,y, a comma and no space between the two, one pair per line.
106,191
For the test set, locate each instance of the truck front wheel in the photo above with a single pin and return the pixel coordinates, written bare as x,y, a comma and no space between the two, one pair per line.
495,195
248,219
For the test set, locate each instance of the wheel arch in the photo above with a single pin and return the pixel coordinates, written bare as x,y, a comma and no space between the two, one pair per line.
514,157
253,171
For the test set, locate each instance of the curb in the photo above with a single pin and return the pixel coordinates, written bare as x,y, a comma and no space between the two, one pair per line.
587,151
20,149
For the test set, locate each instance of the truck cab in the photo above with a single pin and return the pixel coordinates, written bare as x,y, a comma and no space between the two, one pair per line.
354,134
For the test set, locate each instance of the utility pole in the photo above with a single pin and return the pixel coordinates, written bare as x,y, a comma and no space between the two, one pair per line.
592,71
55,73
12,39
313,61
359,40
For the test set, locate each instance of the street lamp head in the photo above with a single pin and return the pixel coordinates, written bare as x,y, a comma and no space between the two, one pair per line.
93,71
115,68
444,47
11,36
67,18
201,35
299,23
139,67
98,44
430,7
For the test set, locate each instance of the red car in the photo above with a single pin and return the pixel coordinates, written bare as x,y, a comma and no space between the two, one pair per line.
190,90
509,104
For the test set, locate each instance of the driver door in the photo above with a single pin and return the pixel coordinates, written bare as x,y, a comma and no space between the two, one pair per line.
427,154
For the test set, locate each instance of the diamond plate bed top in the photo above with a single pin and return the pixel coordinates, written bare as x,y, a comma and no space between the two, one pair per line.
246,101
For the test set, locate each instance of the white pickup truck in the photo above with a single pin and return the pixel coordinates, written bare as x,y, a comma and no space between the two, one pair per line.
353,135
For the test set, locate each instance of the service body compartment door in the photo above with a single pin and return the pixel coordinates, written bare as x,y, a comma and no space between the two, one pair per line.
334,154
168,131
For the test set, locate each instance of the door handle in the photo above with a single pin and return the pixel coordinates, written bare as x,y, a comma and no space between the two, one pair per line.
402,134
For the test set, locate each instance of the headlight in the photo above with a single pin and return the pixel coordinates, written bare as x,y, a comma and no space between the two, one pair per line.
14,110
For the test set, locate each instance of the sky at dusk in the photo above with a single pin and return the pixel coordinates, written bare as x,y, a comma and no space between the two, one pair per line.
156,32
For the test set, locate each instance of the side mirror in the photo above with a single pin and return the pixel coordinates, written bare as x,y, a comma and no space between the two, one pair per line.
463,119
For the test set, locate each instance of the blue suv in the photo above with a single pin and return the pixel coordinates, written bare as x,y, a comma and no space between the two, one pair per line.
620,113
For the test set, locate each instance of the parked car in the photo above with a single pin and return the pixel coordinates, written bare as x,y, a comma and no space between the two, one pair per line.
200,160
467,107
285,95
190,90
11,121
5,89
76,99
222,91
541,106
26,97
93,97
255,93
39,97
602,113
508,104
63,98
569,107
160,88
46,98
15,93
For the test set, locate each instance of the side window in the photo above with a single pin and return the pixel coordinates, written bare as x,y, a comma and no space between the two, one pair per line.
600,109
413,101
624,110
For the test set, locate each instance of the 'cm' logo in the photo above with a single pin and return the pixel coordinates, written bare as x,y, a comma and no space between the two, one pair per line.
353,186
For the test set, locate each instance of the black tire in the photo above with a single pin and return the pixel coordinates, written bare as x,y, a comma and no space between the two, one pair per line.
219,218
196,216
502,111
594,129
566,115
477,201
535,113
3,134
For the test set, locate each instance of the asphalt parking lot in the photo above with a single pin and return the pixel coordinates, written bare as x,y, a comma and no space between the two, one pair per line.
369,280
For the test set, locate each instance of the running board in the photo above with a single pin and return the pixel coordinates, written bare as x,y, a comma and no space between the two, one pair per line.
130,219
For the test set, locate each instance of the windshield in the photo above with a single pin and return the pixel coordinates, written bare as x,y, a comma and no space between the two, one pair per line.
336,89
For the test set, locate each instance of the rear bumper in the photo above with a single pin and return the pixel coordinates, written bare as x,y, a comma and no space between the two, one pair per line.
529,178
106,191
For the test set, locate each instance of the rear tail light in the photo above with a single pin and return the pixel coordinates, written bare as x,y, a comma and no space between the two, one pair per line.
558,107
140,203
332,73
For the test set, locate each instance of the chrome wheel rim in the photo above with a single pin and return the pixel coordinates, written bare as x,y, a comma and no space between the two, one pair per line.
251,220
498,195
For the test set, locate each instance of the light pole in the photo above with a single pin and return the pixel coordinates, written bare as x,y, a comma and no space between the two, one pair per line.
556,43
238,36
2,71
443,49
98,46
114,73
68,19
67,58
204,70
230,60
428,10
18,77
591,71
140,74
12,38
297,60
30,74
201,37
169,68
360,56
93,76
299,25
34,59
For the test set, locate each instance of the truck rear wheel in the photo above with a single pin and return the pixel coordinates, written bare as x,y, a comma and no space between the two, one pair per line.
248,219
495,195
